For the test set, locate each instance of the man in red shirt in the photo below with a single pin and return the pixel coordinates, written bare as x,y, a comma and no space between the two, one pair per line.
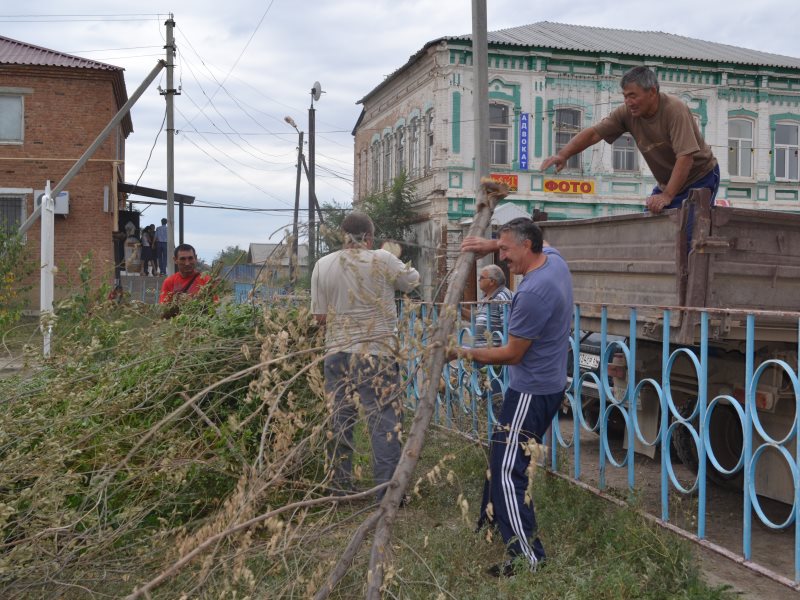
187,280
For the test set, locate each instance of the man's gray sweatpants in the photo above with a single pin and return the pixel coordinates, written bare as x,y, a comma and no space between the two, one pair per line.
372,382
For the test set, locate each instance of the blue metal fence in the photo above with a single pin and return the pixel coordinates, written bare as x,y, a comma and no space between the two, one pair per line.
464,392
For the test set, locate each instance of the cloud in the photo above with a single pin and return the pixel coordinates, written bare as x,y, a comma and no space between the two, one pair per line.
238,151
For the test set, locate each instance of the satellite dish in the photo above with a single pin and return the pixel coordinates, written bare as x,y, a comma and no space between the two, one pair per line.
316,91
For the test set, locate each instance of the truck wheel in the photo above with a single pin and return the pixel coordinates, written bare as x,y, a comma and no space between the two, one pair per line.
726,441
682,441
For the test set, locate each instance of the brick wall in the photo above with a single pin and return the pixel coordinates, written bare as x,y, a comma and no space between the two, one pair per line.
64,111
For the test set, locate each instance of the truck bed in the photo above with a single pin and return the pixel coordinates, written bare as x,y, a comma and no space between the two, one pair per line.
740,259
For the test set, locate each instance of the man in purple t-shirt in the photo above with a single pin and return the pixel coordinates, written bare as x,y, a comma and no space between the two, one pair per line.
536,352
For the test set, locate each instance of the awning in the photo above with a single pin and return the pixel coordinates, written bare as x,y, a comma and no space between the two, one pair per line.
138,190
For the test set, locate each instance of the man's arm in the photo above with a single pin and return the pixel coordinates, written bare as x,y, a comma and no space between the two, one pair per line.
510,354
677,180
584,139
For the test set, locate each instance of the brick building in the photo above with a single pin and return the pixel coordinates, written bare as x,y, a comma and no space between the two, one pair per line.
546,82
52,107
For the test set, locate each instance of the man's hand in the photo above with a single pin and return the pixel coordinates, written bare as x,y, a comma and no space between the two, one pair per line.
658,202
480,246
556,160
455,353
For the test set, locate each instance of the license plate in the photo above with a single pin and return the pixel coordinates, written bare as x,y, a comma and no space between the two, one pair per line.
588,361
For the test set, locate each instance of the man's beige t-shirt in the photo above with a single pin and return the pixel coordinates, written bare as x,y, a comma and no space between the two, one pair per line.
355,289
670,133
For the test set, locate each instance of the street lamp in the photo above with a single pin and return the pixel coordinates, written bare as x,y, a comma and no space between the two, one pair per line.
294,260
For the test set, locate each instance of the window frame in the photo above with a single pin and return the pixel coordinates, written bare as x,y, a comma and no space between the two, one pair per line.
787,150
504,140
376,165
629,150
387,161
429,140
736,149
400,150
21,139
413,146
22,198
560,126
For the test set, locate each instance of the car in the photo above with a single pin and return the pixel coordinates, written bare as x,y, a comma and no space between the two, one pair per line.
589,362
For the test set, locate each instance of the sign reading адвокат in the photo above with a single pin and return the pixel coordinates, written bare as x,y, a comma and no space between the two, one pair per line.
569,186
523,141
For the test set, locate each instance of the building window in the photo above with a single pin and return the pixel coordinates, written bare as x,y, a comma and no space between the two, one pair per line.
740,148
413,147
499,128
625,154
376,166
429,141
11,124
400,136
786,151
12,213
387,160
567,126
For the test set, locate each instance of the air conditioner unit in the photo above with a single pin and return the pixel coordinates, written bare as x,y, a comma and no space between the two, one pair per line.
62,201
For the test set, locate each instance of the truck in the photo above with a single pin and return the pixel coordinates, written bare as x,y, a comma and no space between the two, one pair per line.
726,261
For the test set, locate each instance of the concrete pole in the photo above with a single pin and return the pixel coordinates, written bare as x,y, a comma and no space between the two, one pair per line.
46,283
294,260
169,93
480,66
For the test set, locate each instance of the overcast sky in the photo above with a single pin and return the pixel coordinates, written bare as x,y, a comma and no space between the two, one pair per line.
245,64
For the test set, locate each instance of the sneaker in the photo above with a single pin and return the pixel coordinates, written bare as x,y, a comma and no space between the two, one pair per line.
503,569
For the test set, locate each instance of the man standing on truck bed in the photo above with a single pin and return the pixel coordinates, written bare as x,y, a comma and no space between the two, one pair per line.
666,134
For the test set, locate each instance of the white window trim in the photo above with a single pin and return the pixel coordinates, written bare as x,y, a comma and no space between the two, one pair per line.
19,193
508,128
737,177
635,152
788,148
4,91
557,129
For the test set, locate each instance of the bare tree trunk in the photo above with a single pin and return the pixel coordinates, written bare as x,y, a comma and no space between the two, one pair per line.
489,194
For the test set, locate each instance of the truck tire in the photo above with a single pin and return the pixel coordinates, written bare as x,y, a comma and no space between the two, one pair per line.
726,441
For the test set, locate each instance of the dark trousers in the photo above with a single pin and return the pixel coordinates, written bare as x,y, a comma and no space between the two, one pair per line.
161,257
522,417
373,384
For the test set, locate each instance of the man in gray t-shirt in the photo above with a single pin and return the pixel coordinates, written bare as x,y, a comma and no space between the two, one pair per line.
162,239
538,332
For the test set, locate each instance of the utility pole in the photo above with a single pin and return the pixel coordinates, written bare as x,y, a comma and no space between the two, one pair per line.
316,92
480,66
312,225
170,93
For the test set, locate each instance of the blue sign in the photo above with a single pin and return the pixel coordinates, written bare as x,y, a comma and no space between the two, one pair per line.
523,141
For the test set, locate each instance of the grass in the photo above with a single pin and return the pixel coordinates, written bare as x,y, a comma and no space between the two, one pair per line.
595,550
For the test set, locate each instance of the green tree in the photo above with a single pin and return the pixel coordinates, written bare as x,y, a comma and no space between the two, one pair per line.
391,210
15,267
231,255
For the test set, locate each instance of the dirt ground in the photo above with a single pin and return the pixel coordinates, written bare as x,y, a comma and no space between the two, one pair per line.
724,517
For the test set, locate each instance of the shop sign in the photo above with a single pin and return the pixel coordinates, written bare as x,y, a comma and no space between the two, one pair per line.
510,180
523,141
569,186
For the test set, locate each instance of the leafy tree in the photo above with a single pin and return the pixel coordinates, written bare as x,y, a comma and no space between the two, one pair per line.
391,210
16,265
231,255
